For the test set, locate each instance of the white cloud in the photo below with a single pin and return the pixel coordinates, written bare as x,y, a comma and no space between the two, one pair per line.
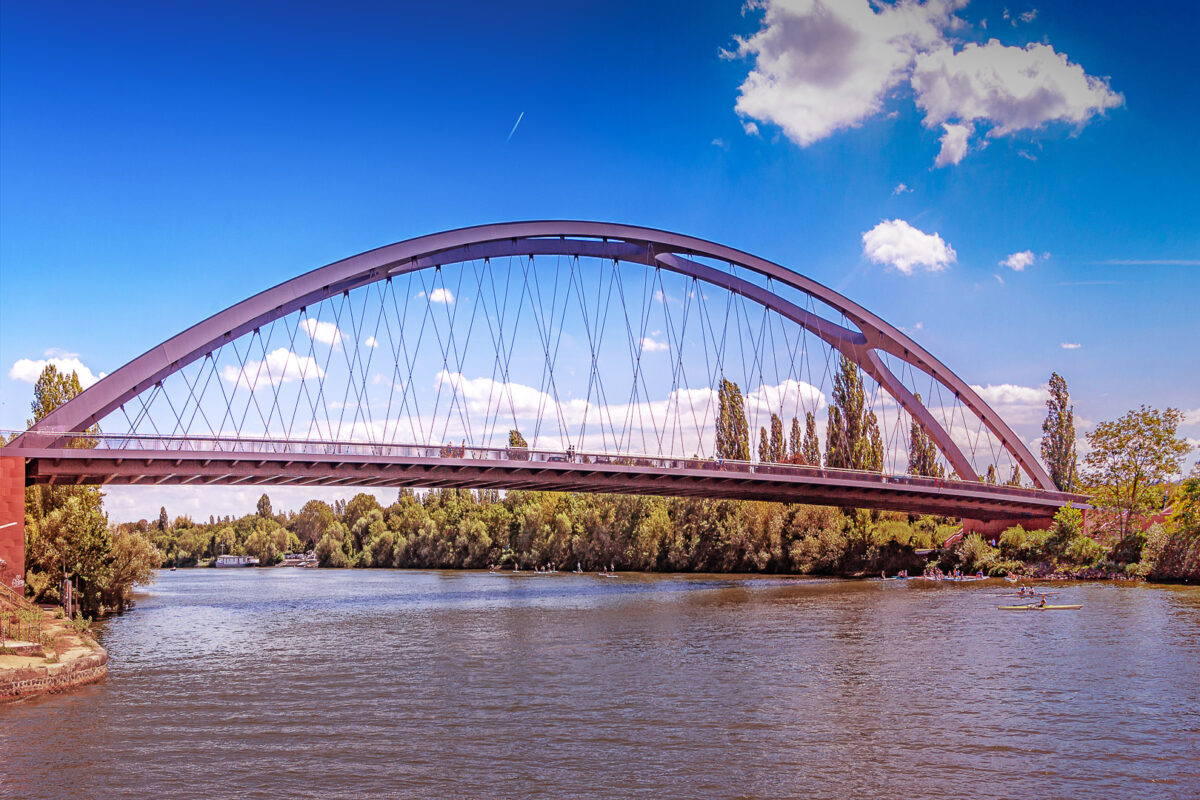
819,66
652,345
1012,88
901,188
719,142
1070,345
750,128
954,144
27,370
999,278
822,66
1191,417
318,331
371,342
1019,261
900,245
1016,404
438,296
280,366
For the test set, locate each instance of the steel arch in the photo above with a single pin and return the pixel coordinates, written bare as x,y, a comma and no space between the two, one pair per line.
654,248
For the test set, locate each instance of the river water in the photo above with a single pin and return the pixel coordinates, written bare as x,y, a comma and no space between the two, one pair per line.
329,684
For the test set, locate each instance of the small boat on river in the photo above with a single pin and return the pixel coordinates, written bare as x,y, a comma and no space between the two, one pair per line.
1036,607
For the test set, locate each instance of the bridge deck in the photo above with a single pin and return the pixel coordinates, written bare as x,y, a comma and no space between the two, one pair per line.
334,464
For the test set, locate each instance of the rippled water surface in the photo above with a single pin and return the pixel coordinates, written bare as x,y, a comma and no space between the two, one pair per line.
297,683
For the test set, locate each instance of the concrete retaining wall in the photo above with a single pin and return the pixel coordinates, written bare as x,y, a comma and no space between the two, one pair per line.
50,678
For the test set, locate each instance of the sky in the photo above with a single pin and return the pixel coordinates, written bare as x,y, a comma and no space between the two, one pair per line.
1014,185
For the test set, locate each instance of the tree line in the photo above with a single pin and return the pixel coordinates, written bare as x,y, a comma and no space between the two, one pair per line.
1145,522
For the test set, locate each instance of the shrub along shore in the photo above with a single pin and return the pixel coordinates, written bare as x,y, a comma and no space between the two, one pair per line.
461,529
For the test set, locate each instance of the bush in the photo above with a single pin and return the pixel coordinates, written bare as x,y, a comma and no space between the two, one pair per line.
1018,544
1084,551
975,554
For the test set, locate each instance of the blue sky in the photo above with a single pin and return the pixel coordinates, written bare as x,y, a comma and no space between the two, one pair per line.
159,162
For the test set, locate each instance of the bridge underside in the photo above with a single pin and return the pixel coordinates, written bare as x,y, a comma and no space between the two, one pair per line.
641,476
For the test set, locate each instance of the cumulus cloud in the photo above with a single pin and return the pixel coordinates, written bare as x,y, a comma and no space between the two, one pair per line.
954,144
444,296
371,342
325,332
652,345
27,370
1016,404
280,366
819,66
900,245
822,66
1012,88
901,188
1019,261
1070,345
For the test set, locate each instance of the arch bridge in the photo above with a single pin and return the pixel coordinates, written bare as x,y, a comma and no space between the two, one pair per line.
563,355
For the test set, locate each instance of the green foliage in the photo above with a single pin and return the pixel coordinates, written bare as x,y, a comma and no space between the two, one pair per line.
1018,544
922,452
1131,459
733,432
811,450
1058,435
852,438
974,554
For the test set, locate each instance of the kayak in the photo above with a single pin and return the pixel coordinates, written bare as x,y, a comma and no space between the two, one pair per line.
1034,595
1039,608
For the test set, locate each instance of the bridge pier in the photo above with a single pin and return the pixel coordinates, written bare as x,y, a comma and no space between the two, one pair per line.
12,522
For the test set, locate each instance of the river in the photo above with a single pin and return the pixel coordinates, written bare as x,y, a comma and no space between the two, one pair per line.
372,683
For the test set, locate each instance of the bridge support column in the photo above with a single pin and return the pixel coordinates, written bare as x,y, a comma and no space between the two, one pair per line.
991,529
12,522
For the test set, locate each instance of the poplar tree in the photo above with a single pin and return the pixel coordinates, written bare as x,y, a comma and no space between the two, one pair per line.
852,439
764,448
733,432
1058,435
777,452
810,452
795,443
922,452
1015,478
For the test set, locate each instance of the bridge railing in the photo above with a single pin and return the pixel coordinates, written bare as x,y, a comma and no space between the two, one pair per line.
251,446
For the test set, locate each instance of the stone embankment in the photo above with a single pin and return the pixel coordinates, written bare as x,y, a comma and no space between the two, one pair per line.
61,659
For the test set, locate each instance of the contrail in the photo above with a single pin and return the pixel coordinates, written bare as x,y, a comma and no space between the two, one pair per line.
514,128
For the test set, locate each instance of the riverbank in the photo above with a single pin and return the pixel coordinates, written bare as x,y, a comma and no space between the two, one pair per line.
63,659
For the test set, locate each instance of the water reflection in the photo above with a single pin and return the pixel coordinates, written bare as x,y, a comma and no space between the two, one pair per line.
342,684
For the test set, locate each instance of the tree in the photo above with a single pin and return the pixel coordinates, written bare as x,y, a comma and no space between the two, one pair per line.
310,524
517,446
811,450
1058,435
264,507
163,521
764,446
990,479
733,432
777,447
795,453
66,530
852,439
1015,478
923,453
1130,459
